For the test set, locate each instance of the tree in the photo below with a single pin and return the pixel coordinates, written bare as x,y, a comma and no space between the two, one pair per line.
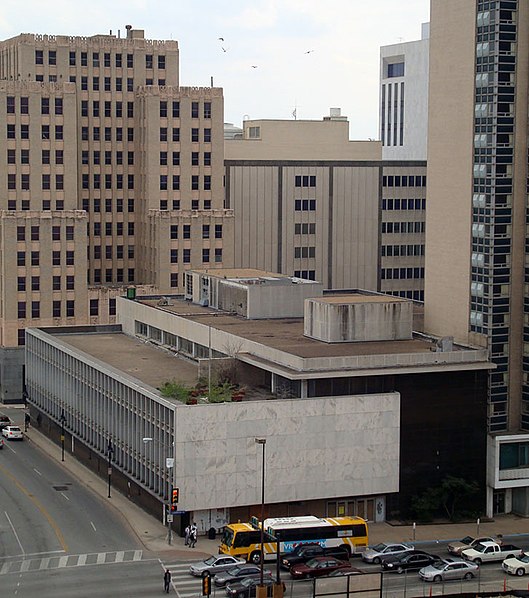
454,497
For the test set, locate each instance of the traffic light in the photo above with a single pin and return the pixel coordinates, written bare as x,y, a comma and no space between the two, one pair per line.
206,585
174,499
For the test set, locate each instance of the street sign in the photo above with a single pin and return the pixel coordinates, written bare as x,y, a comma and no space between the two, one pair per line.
169,462
179,512
169,518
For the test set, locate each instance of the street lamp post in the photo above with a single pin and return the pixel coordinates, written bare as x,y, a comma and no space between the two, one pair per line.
62,420
261,590
110,450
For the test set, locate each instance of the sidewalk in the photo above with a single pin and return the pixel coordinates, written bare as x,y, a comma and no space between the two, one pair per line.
153,535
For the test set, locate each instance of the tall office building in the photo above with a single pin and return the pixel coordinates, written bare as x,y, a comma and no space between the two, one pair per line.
404,98
477,242
111,176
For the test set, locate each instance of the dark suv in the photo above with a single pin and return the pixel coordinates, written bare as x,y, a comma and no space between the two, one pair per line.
305,552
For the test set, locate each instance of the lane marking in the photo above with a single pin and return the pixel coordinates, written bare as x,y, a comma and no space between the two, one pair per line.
92,524
15,533
39,506
119,556
101,557
63,561
65,496
137,555
37,471
15,556
44,563
82,560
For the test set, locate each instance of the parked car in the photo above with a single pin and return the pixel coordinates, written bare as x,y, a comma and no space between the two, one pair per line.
318,566
350,571
12,433
516,565
305,552
376,554
486,552
215,564
4,421
237,573
447,569
409,561
466,542
247,588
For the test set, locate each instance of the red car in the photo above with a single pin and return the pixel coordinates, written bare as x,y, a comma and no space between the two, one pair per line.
320,565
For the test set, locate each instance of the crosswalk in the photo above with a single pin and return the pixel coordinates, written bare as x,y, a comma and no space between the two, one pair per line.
69,560
185,585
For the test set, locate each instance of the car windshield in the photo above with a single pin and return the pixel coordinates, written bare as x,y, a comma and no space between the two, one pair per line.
210,561
440,565
480,547
524,558
14,429
379,547
233,571
312,562
227,537
248,581
467,540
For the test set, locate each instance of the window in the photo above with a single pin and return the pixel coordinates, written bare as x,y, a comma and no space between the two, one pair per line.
205,255
94,307
11,156
119,84
35,309
163,109
396,69
24,182
174,279
163,182
21,310
119,109
70,261
130,61
46,182
58,106
39,57
207,182
106,60
52,57
163,158
194,135
218,255
95,83
130,109
194,158
207,135
207,109
70,308
35,283
59,132
187,231
187,256
118,61
176,182
174,231
69,233
130,84
108,85
195,204
148,61
45,106
24,105
176,109
194,109
163,133
130,205
11,131
218,231
130,134
304,252
24,132
84,58
207,158
21,258
35,233
176,134
205,231
45,132
112,307
21,283
305,181
56,258
194,182
161,62
305,205
174,256
59,157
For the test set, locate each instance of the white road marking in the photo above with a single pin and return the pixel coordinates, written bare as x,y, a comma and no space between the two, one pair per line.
92,524
137,555
82,560
119,556
63,561
37,471
101,558
44,563
65,496
15,533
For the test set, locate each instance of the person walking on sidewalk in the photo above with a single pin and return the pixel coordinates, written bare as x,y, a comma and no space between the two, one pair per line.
166,581
187,532
193,535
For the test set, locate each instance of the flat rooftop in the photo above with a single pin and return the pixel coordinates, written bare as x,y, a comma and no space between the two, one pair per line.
286,334
355,299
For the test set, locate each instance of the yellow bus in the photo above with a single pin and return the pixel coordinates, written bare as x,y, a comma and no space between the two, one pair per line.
243,540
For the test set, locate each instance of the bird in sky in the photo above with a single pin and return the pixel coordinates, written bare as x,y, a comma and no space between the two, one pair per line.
308,51
254,66
221,39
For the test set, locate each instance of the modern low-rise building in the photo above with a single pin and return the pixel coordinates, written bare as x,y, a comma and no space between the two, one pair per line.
359,413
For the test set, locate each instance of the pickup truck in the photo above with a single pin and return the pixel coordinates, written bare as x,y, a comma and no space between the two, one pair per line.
485,552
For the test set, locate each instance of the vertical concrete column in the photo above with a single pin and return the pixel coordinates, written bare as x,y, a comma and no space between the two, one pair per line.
304,389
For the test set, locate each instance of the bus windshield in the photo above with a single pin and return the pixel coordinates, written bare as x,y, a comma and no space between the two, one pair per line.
227,536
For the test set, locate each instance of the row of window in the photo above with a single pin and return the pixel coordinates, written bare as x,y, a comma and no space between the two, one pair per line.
57,258
415,295
402,227
24,204
46,182
305,205
195,204
45,132
195,182
306,274
97,59
304,228
195,158
35,233
98,156
107,83
401,273
402,250
305,180
107,134
304,252
107,109
195,134
56,311
108,228
403,181
35,283
120,252
186,231
24,105
45,156
195,109
186,255
97,178
109,275
404,204
96,204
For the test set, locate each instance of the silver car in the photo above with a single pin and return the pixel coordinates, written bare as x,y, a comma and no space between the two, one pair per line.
214,564
448,569
376,554
238,573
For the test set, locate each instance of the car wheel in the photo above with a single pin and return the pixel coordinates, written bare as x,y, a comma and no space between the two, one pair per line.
520,571
437,579
469,575
377,560
255,557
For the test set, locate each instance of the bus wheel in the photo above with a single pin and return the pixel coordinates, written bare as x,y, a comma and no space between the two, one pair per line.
255,557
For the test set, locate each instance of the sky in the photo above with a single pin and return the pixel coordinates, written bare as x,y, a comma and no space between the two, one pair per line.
276,58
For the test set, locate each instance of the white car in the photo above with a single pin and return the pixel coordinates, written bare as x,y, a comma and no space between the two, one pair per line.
12,433
375,554
516,565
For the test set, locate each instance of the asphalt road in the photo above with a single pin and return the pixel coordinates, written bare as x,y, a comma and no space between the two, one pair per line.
58,539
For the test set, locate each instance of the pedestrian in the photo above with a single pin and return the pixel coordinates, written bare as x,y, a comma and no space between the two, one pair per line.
193,535
27,421
166,581
187,532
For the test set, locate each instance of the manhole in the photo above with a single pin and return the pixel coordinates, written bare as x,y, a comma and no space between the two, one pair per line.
60,488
